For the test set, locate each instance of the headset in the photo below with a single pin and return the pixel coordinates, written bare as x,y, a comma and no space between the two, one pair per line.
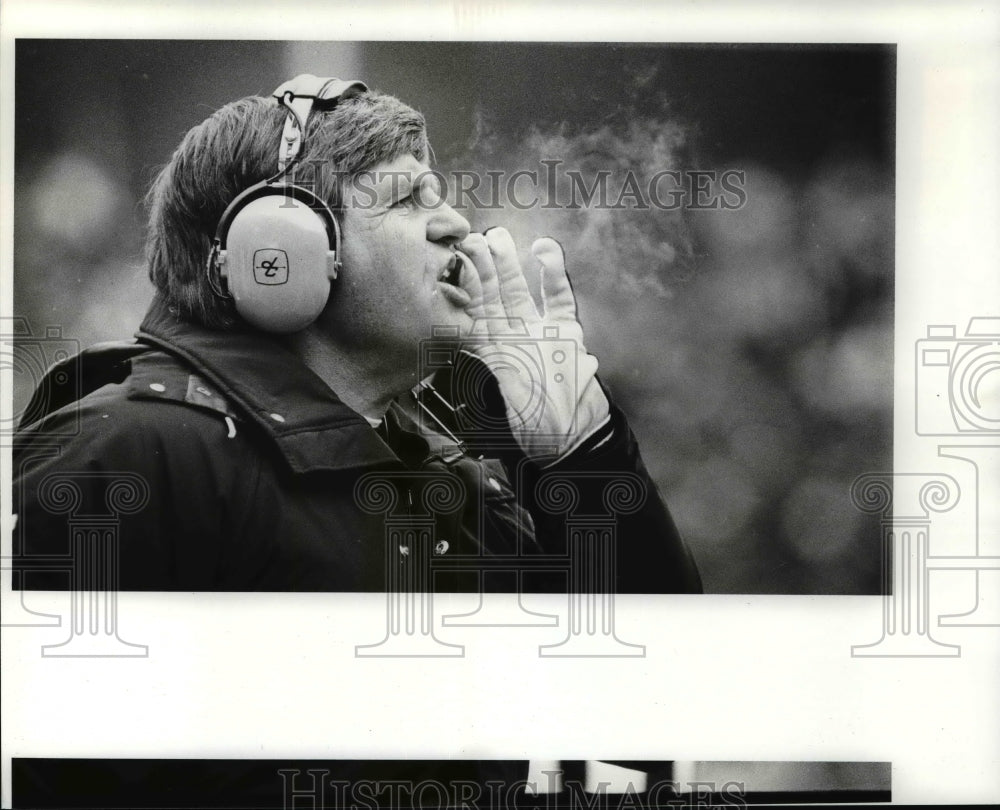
276,249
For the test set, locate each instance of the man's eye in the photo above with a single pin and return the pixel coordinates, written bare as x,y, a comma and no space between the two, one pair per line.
409,201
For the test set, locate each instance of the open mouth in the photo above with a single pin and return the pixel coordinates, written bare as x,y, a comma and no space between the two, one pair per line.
449,279
453,271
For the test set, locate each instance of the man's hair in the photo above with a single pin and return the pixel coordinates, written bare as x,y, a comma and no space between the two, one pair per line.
236,148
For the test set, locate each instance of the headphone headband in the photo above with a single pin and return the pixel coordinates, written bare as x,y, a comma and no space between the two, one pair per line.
300,96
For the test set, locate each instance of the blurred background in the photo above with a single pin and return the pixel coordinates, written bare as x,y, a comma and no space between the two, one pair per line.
750,348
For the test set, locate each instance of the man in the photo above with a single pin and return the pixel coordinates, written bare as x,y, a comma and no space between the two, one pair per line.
273,429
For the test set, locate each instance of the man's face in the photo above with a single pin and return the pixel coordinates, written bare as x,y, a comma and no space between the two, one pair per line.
397,239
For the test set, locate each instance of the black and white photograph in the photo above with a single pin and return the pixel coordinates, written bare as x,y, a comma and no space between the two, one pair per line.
392,407
659,274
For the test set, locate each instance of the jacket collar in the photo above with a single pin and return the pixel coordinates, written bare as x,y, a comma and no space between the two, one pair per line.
271,387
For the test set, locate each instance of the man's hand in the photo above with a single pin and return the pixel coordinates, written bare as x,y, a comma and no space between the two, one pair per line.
547,378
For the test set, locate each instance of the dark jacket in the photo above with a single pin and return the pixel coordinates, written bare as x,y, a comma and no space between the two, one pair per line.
218,461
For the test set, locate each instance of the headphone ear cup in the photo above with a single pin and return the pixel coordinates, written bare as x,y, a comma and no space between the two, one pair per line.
277,263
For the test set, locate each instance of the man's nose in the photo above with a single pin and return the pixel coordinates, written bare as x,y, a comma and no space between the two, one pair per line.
447,225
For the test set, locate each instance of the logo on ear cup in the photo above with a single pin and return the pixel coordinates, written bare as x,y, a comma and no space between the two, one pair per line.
270,266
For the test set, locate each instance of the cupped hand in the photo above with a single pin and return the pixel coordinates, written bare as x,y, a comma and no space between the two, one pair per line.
538,357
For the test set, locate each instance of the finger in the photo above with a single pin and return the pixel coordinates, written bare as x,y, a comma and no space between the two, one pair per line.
474,246
558,301
468,280
517,300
